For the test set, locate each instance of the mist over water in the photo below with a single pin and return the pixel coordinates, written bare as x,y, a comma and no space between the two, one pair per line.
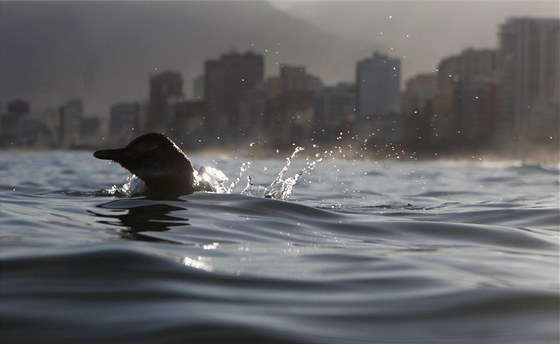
362,251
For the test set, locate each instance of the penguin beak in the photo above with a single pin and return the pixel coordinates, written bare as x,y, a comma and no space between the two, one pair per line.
119,155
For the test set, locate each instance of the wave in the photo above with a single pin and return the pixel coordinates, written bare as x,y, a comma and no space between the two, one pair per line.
404,253
111,294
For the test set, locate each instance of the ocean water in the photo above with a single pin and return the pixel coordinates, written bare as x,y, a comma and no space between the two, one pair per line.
361,252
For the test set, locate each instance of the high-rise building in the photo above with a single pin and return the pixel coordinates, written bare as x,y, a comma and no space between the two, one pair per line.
124,122
289,114
198,88
475,94
448,72
188,123
165,88
296,79
252,112
90,131
226,81
418,91
50,117
334,106
465,104
529,73
478,65
11,122
378,82
71,115
19,107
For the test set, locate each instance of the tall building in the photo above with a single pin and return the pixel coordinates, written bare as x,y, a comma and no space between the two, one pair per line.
90,132
296,79
418,91
465,104
378,85
124,122
71,115
226,81
19,107
11,122
529,73
252,112
416,106
198,88
290,107
50,117
165,88
475,94
448,72
478,65
188,123
334,106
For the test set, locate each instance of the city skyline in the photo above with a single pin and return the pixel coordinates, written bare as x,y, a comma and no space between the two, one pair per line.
467,100
106,57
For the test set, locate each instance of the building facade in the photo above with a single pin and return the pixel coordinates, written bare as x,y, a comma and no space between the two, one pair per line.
289,112
529,73
226,81
418,91
378,86
165,89
124,123
333,107
474,102
71,115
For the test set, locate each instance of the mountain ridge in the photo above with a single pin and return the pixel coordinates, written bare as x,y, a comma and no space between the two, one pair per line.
104,52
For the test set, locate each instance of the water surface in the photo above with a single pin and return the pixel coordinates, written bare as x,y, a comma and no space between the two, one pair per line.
361,252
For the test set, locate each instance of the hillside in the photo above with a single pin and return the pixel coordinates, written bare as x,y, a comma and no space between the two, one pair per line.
104,52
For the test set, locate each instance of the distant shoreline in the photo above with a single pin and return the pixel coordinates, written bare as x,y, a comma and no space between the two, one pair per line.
522,152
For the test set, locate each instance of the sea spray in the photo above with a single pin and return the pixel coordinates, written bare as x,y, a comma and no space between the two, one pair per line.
214,180
288,163
281,188
244,167
131,187
211,179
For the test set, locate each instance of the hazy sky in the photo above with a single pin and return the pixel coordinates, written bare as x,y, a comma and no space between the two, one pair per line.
289,4
360,19
420,32
104,52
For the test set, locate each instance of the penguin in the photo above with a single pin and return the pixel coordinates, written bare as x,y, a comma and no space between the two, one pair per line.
154,158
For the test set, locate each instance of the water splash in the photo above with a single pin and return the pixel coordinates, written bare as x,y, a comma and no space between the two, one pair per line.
283,188
280,188
133,186
253,189
244,167
211,179
288,163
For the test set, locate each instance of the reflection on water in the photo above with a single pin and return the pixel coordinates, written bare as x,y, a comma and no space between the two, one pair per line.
135,219
139,222
200,262
203,263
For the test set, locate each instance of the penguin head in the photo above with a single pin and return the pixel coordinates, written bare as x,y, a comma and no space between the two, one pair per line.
157,160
